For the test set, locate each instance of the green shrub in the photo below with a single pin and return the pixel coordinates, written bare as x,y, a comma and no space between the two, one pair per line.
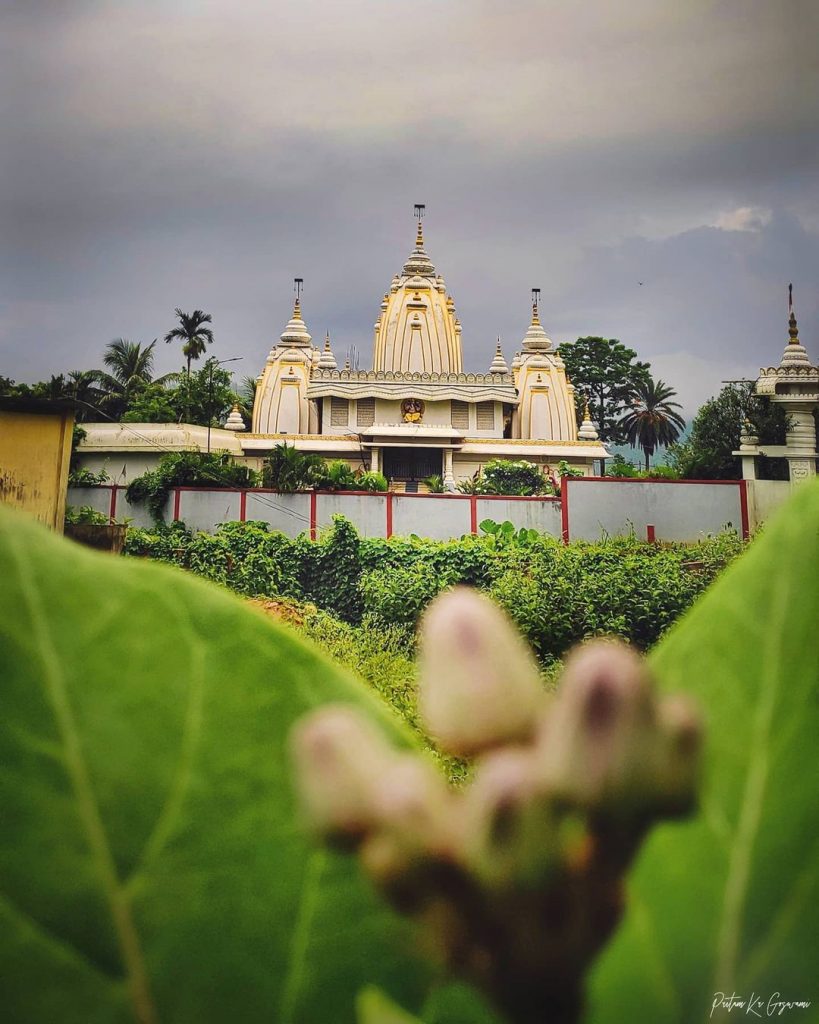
372,481
501,476
186,469
398,596
558,594
84,515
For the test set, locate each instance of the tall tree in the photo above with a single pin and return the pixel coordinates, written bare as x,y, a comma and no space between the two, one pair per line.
194,335
653,421
608,372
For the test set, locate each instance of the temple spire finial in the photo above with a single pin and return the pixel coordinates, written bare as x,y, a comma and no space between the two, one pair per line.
536,305
298,288
793,329
420,209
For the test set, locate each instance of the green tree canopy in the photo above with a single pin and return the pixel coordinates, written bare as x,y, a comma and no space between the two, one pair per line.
608,372
706,453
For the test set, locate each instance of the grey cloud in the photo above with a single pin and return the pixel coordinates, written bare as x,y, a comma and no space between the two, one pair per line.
202,154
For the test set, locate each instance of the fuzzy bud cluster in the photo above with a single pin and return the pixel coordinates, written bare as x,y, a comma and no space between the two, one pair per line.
517,879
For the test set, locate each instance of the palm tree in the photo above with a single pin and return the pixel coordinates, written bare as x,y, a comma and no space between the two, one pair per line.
288,470
83,386
653,421
246,397
128,360
131,366
195,337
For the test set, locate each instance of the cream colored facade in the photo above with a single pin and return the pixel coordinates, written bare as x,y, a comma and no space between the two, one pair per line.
417,412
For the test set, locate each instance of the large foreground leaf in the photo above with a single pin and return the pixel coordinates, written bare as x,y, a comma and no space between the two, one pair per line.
151,868
730,901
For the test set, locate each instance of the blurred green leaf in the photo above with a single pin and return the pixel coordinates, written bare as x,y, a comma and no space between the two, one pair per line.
152,867
376,1008
728,901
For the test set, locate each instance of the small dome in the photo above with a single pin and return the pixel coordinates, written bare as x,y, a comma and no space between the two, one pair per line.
327,361
795,354
498,364
587,431
235,421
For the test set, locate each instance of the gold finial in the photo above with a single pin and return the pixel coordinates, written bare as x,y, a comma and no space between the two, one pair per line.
586,416
327,341
793,330
420,209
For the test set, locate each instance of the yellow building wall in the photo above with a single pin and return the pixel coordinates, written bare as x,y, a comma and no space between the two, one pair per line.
35,451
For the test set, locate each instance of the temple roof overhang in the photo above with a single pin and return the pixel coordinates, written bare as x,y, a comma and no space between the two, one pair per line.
433,387
772,378
492,447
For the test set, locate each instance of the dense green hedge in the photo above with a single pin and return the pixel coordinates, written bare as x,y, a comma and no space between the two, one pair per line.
558,594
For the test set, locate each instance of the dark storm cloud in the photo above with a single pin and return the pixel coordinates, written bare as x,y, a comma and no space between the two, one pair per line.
202,154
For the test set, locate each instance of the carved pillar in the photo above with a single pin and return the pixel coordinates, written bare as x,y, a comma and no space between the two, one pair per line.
800,442
375,460
448,475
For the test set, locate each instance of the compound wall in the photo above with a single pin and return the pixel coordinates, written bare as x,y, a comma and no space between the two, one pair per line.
591,508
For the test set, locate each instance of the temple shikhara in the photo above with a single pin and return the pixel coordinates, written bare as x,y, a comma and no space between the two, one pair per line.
418,412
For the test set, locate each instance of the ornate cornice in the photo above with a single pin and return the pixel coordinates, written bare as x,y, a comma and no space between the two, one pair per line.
398,377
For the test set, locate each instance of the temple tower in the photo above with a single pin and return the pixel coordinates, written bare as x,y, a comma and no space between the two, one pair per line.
417,329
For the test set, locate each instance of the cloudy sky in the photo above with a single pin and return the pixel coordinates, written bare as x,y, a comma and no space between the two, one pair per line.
202,153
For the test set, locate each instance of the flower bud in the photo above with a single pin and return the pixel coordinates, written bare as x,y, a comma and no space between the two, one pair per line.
413,801
600,730
679,745
338,760
509,830
416,826
479,684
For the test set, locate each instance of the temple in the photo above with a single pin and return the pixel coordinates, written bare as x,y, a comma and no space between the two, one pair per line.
793,384
417,413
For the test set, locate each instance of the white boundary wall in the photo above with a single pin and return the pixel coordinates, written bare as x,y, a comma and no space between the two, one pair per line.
590,509
663,510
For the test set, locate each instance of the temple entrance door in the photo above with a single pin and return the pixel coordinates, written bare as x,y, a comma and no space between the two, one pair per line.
411,464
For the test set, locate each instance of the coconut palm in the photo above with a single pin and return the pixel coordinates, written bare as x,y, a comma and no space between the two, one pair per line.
84,387
653,421
131,365
129,359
